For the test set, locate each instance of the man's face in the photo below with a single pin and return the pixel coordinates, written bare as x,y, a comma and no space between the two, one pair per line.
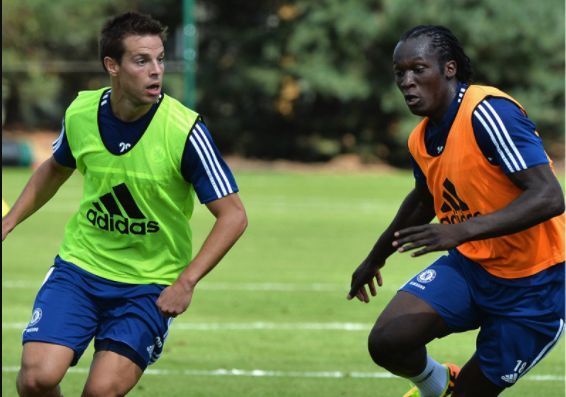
140,73
425,84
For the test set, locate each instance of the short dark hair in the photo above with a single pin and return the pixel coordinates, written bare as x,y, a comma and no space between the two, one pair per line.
448,46
117,28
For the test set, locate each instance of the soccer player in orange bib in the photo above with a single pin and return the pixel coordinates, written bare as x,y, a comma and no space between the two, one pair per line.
481,169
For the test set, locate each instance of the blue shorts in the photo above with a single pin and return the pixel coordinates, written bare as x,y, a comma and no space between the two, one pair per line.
520,320
74,306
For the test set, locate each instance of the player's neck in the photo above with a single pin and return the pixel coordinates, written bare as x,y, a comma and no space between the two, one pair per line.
124,109
449,97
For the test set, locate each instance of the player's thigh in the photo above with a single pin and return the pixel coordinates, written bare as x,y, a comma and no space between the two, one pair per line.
445,287
408,322
134,328
64,313
44,364
432,304
111,374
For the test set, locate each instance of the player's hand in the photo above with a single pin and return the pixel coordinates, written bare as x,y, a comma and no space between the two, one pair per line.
429,238
175,299
362,276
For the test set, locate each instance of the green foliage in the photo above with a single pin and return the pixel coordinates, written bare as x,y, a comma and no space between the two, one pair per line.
310,72
321,43
38,37
35,34
284,78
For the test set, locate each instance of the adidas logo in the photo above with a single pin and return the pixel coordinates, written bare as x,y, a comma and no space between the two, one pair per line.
511,378
109,215
456,207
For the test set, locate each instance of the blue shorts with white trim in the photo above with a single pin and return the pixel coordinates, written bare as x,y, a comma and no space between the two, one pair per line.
74,306
520,320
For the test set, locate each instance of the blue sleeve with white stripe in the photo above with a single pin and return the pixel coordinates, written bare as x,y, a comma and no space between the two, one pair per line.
506,136
203,166
62,151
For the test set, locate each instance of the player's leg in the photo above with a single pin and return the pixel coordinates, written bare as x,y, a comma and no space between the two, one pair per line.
111,375
62,324
495,366
524,326
42,369
433,304
398,343
398,339
472,382
522,320
129,338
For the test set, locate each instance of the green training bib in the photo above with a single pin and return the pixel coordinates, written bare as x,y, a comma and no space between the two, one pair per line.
132,225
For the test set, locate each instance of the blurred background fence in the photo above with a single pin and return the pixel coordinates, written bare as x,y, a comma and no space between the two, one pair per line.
299,80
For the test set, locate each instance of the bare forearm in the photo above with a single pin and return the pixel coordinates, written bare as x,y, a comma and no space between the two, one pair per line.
529,209
413,211
416,209
541,199
230,223
225,232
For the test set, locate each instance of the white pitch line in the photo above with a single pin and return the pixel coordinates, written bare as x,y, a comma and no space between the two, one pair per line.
261,373
20,284
273,326
252,326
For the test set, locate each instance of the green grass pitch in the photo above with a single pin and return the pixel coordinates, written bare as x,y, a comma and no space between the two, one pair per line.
272,319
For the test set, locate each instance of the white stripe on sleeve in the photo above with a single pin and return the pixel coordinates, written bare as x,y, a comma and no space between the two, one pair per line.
493,139
495,136
192,139
214,158
211,165
507,136
59,141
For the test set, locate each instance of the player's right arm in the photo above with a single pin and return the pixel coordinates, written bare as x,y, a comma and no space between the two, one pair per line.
417,209
42,185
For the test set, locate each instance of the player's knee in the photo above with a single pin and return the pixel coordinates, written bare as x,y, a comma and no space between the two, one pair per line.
101,388
382,346
36,381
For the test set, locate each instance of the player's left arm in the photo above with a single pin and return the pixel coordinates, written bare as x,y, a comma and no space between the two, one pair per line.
203,167
231,221
526,165
541,199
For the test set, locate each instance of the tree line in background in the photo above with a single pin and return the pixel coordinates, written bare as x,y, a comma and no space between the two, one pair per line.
297,79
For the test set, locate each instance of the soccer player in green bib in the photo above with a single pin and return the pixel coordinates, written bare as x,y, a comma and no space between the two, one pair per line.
125,267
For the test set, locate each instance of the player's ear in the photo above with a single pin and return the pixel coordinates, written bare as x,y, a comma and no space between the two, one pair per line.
450,69
111,66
